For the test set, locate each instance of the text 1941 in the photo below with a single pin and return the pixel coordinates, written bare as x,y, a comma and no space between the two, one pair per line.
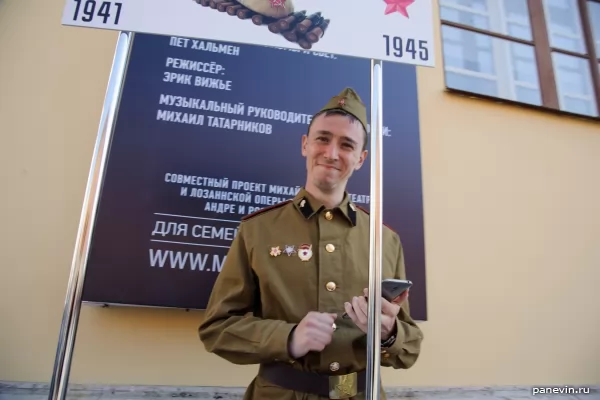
90,10
406,48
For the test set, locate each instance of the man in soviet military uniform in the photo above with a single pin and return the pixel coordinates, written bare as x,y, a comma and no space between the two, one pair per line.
295,268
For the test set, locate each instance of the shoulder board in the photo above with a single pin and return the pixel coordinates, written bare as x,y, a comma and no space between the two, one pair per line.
383,223
264,210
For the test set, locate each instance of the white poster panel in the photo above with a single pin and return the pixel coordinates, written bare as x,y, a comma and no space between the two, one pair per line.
389,30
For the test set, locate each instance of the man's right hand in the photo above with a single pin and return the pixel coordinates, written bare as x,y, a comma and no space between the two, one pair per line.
313,333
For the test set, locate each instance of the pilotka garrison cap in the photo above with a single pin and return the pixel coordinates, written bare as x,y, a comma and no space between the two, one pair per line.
349,101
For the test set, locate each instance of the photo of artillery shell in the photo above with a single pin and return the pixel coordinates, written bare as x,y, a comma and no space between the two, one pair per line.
278,16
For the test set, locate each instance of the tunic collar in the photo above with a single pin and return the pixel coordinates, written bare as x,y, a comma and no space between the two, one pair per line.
309,206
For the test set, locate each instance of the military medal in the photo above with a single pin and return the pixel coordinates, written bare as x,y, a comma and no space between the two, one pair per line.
289,250
305,252
275,251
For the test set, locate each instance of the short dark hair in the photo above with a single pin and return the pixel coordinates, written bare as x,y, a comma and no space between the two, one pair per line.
346,114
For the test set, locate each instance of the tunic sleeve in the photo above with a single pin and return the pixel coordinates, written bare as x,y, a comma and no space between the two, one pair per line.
226,329
405,351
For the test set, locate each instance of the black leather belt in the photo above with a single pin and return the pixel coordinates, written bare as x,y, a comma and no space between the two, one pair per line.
331,386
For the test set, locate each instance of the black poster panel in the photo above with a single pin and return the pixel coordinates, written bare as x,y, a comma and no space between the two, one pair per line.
208,132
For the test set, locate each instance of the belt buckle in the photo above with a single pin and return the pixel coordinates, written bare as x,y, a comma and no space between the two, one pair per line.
343,386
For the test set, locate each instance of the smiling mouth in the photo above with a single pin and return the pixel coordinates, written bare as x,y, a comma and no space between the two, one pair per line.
327,166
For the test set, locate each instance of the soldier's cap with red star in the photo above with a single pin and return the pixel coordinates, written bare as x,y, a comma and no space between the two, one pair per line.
349,101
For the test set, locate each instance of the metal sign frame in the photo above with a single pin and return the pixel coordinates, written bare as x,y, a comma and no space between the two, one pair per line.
73,301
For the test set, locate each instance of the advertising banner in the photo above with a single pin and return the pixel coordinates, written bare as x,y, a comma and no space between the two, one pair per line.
209,131
388,30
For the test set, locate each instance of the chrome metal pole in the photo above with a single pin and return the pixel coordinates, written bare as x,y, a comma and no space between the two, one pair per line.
72,307
375,233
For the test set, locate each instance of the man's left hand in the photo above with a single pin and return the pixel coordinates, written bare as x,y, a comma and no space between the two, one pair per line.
357,310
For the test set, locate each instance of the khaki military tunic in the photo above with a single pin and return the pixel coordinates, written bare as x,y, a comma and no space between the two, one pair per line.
286,261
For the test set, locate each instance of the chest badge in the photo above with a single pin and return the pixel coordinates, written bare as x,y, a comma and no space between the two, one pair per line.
289,250
305,252
275,251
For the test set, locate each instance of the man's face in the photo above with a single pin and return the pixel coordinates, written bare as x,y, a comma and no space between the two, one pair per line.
333,151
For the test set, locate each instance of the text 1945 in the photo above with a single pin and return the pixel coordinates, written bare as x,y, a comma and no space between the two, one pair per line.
105,11
404,48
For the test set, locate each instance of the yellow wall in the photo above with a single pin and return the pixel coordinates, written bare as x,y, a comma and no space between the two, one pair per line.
512,222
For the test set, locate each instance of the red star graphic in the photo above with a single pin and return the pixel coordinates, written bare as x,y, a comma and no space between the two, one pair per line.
398,5
277,3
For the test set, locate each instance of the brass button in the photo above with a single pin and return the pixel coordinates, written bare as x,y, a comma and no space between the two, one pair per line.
328,216
334,326
334,366
386,355
330,286
330,248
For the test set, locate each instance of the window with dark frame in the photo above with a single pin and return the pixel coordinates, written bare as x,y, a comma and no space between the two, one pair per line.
543,53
